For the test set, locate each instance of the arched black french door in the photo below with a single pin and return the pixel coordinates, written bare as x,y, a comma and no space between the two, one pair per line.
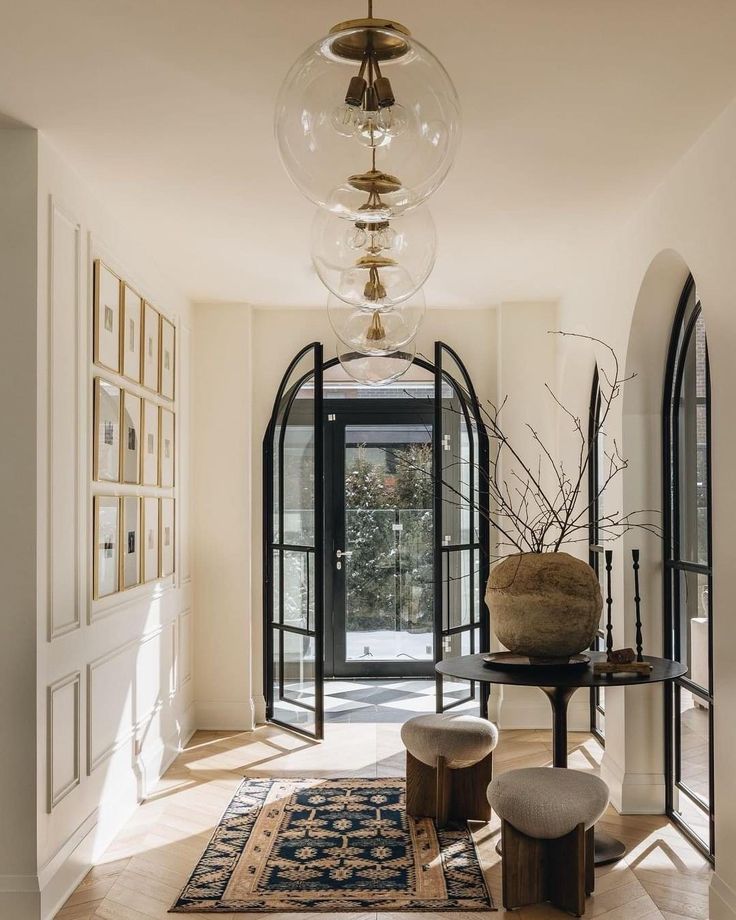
296,564
688,574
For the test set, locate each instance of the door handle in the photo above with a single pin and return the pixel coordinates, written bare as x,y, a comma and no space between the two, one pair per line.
339,554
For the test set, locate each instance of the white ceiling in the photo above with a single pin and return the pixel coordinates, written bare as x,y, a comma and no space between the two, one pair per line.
573,111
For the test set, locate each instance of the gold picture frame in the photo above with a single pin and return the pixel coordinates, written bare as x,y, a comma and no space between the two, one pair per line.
149,538
130,543
130,438
166,537
106,542
150,347
107,307
107,410
167,359
131,337
150,439
167,448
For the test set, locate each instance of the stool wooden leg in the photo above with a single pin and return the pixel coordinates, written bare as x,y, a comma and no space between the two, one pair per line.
590,861
468,786
421,788
566,877
522,868
443,792
535,870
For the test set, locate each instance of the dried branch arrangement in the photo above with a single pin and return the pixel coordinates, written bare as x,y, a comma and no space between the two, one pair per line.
538,509
541,506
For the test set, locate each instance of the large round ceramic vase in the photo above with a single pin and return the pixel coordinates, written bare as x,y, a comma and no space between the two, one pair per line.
544,605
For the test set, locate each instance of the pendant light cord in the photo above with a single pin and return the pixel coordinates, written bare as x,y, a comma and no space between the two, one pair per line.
370,9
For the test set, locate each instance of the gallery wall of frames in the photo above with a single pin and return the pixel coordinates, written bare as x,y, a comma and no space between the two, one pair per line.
133,436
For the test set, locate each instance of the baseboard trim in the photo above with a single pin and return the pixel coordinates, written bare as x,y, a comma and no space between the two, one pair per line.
722,900
225,715
633,793
259,709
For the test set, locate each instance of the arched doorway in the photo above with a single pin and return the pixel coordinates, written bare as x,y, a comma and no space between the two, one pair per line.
314,532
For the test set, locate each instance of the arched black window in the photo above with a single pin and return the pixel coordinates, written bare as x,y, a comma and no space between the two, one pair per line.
595,547
688,583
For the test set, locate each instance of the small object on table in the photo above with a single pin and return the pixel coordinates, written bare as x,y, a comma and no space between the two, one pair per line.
609,601
642,668
637,603
622,655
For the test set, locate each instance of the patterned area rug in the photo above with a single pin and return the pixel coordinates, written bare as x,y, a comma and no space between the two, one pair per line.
332,845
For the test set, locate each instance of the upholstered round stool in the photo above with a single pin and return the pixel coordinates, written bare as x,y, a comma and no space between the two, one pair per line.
449,763
547,820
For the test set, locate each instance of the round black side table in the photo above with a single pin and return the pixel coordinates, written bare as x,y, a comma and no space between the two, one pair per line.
559,684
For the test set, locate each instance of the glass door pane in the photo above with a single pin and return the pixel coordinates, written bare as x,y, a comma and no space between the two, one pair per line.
293,552
461,523
382,565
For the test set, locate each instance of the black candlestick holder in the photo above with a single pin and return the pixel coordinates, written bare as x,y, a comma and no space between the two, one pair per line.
609,604
637,604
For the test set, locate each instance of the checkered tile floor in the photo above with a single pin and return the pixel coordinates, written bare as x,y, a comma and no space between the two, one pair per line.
386,700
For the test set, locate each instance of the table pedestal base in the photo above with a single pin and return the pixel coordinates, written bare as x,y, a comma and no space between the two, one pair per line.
607,848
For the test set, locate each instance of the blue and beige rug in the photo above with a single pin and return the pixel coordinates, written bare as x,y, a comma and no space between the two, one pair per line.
332,845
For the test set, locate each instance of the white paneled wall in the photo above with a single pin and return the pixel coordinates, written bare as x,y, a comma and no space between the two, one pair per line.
114,675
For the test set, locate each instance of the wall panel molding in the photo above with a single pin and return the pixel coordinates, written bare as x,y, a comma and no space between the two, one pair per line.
62,698
184,666
98,751
65,325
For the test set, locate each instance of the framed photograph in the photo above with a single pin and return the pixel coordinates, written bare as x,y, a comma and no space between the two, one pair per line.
106,317
130,436
106,451
149,442
150,538
130,340
131,549
151,334
167,449
166,537
168,358
106,563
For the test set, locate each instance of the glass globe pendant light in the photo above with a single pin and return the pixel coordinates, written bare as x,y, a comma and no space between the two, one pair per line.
370,263
376,330
376,370
367,110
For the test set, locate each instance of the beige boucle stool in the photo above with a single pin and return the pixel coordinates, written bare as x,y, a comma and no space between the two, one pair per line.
547,820
449,763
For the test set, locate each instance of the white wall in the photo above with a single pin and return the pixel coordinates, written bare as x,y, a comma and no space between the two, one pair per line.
104,687
688,223
222,516
18,166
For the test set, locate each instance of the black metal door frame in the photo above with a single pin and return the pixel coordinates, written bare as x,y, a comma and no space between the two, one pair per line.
479,622
338,414
273,613
674,565
479,502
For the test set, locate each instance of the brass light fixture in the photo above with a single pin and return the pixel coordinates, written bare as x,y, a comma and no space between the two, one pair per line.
368,84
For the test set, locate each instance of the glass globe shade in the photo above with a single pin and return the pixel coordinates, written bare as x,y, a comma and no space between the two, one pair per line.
400,152
376,370
376,330
400,254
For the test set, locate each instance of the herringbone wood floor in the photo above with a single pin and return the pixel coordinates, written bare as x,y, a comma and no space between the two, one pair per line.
141,874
